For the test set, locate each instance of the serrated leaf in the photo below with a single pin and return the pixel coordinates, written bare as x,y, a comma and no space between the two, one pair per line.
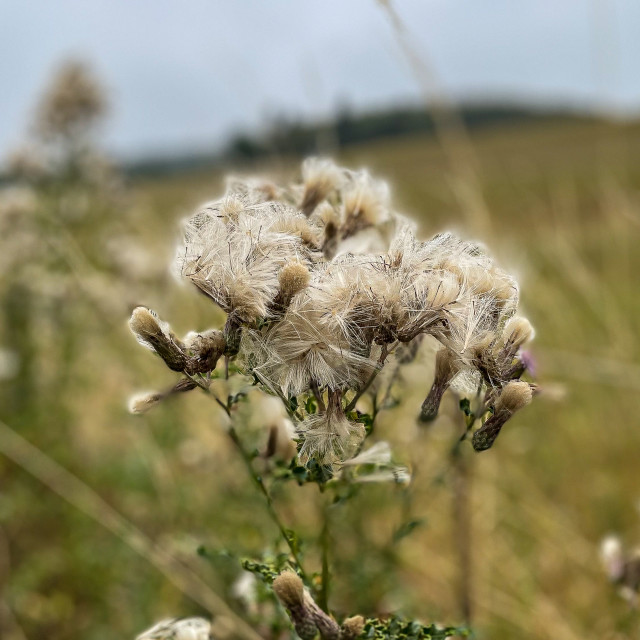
399,629
310,405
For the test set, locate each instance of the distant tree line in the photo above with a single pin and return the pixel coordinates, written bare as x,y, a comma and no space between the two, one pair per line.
290,137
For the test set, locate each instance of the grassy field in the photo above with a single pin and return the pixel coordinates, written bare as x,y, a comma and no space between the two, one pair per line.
564,203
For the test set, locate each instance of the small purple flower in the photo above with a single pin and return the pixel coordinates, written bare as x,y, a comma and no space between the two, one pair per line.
529,361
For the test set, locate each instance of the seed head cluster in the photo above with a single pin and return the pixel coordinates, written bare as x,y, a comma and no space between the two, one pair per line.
322,281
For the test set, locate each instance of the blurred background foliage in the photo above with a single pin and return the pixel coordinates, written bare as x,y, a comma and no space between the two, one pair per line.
83,242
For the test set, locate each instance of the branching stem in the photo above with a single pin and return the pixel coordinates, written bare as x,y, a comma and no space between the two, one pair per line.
258,481
207,389
383,356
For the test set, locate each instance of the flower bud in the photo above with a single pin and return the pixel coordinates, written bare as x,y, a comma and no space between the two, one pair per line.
446,368
156,335
293,278
289,589
516,332
141,403
352,627
205,350
514,396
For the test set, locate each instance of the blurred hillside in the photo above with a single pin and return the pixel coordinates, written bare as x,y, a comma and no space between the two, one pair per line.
284,136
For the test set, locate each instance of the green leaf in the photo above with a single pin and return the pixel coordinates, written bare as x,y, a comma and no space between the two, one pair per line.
269,567
319,473
399,629
465,406
406,528
214,554
310,405
300,474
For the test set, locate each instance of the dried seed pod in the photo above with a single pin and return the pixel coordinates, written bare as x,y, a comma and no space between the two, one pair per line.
352,627
205,350
142,403
289,589
293,278
446,369
157,336
514,396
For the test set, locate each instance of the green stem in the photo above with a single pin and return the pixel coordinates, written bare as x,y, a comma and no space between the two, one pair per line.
352,405
383,356
325,543
463,522
257,480
207,390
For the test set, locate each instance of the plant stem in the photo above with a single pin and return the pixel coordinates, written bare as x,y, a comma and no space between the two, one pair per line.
460,466
207,389
318,396
325,543
257,480
352,405
383,356
273,514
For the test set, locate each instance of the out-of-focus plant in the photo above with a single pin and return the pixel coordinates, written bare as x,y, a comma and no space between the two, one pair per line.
62,139
324,287
62,271
622,567
61,191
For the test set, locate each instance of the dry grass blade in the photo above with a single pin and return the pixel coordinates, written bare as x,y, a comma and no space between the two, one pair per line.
10,628
449,128
81,496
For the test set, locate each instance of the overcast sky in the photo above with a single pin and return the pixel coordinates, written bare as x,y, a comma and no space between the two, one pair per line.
189,73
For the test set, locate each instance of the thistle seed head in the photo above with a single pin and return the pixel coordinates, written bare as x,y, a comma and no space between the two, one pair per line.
446,368
141,403
179,629
157,336
514,396
289,588
204,349
612,557
293,278
320,177
352,627
321,281
517,332
329,436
